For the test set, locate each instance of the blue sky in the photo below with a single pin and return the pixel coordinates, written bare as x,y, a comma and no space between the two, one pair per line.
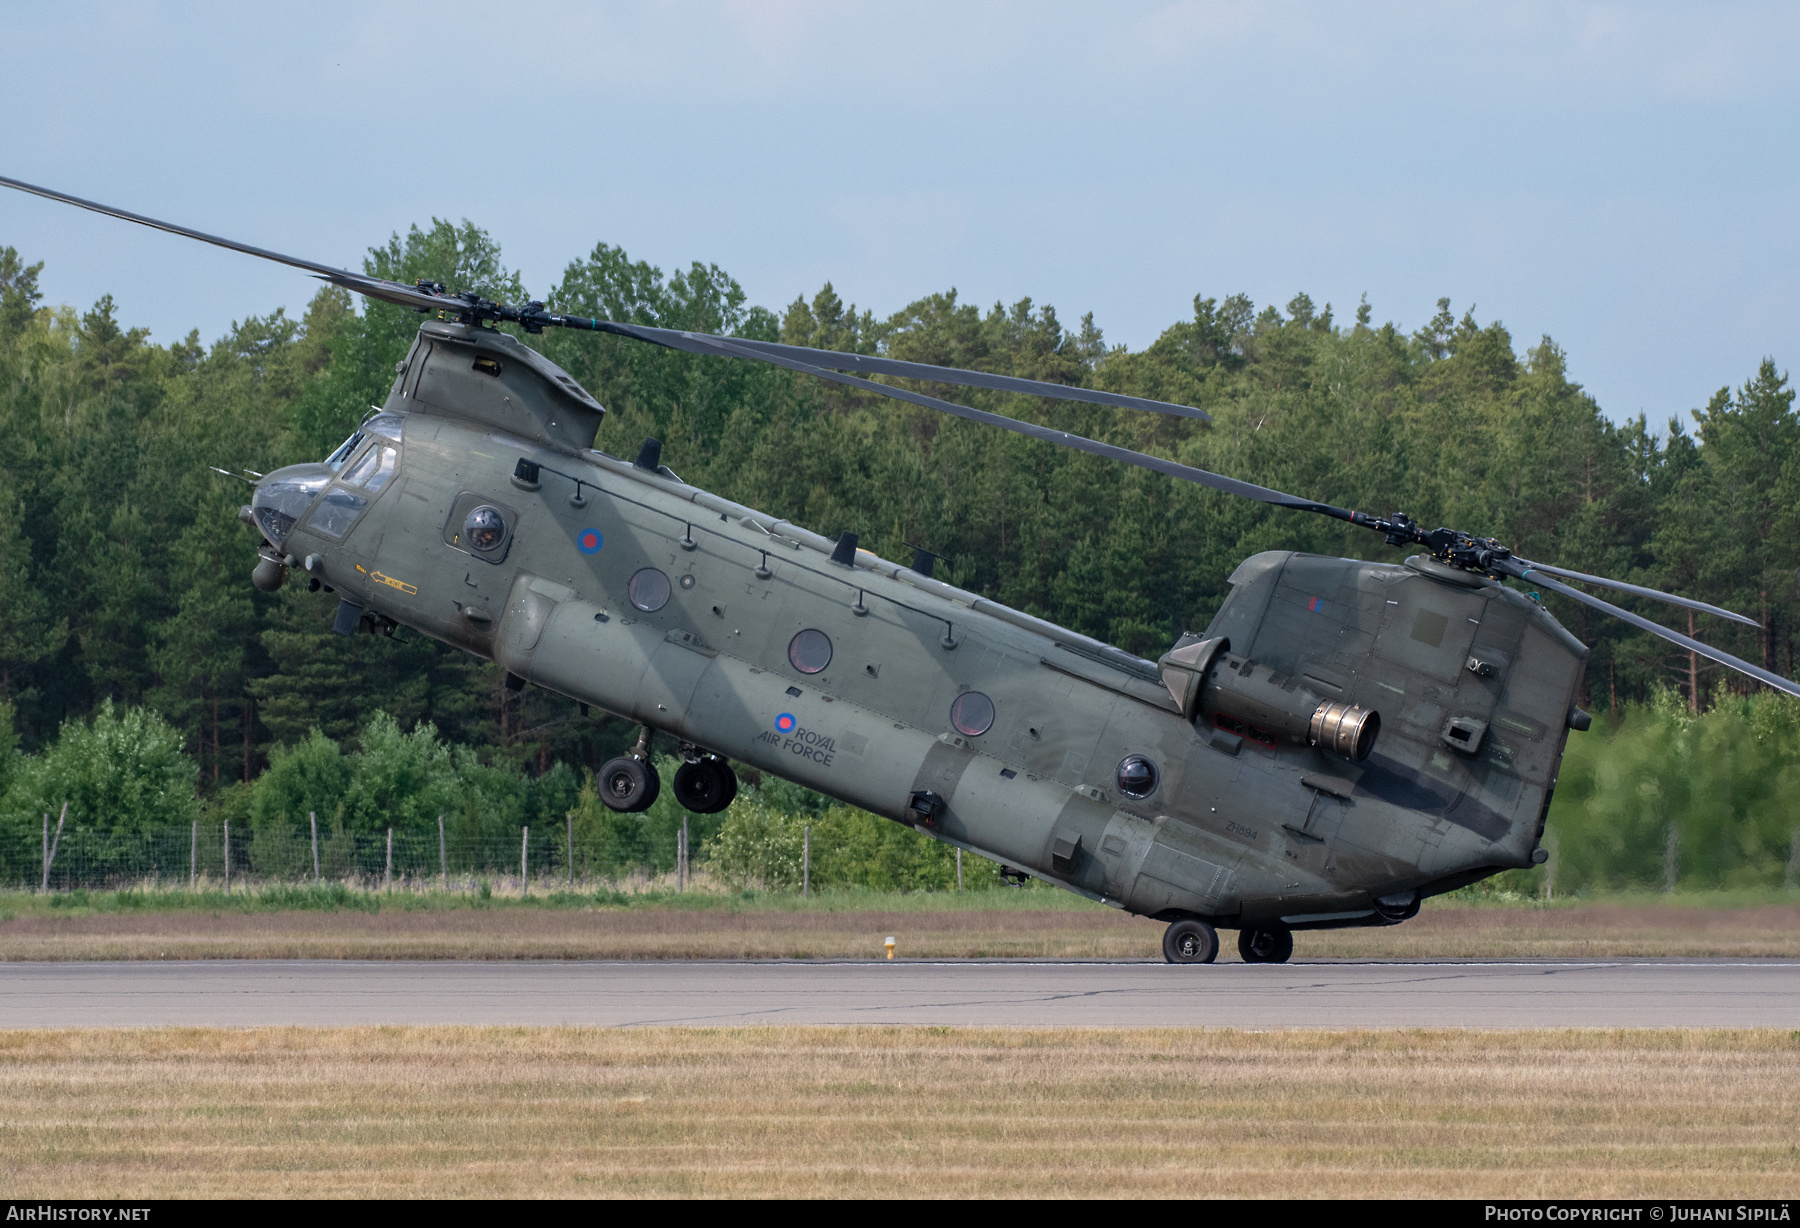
1619,176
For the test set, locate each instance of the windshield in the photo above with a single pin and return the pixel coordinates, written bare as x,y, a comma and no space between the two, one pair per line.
336,459
373,470
384,424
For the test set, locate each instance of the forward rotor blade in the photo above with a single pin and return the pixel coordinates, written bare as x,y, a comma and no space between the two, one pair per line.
731,347
1639,591
1521,569
817,361
864,364
409,296
374,287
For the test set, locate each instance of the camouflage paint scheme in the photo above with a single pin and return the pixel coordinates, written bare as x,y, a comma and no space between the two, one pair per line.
1246,825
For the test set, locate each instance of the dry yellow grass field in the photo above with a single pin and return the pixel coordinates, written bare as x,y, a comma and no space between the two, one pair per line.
1595,930
517,1112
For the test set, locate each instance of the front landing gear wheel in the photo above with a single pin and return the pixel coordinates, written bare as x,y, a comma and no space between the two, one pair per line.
705,786
628,785
1259,946
1192,941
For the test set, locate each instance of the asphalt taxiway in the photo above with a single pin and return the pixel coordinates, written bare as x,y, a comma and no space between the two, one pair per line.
1548,994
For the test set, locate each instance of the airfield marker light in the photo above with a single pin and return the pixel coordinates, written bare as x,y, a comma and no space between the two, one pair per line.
890,946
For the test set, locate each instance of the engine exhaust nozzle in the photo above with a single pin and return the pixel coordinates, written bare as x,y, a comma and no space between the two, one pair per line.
1344,730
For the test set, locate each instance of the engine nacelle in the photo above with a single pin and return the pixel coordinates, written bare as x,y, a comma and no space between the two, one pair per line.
1239,695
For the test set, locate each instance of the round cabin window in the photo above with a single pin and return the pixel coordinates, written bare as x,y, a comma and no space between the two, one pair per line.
484,529
649,590
972,714
810,651
1137,776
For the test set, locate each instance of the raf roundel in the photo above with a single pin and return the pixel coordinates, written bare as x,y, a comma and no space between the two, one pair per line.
785,722
589,541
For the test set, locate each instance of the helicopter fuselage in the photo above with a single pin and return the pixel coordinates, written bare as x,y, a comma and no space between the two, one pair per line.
624,588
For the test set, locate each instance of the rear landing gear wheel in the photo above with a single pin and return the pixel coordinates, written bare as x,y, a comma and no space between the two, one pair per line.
1191,941
705,786
1260,946
628,785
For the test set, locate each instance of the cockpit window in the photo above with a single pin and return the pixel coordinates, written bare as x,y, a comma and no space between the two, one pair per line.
336,459
337,512
383,471
364,466
373,468
386,425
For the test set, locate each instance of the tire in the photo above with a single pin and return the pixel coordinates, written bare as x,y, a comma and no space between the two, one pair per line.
1270,946
706,786
628,785
1190,941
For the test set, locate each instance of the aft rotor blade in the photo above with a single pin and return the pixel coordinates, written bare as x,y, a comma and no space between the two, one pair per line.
374,287
1639,591
1520,569
730,347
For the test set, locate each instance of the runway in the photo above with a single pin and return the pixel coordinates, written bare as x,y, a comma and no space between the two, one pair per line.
233,993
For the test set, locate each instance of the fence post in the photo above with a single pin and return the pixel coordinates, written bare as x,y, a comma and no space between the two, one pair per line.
443,854
387,875
44,859
681,839
1793,866
313,817
194,857
55,842
1671,859
959,869
571,817
227,856
524,852
806,861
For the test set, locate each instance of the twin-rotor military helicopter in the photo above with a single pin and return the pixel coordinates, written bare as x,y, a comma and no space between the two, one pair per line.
1344,740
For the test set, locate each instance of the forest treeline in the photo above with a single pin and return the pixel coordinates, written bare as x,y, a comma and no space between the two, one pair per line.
124,571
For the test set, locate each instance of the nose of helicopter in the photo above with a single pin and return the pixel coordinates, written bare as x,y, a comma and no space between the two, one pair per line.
281,498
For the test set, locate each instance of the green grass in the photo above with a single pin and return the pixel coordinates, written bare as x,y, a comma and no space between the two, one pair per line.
337,897
1480,895
1034,896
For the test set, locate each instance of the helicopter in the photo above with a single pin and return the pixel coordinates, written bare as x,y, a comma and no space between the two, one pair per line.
1345,739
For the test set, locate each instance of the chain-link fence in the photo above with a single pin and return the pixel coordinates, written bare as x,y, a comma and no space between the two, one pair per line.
218,854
